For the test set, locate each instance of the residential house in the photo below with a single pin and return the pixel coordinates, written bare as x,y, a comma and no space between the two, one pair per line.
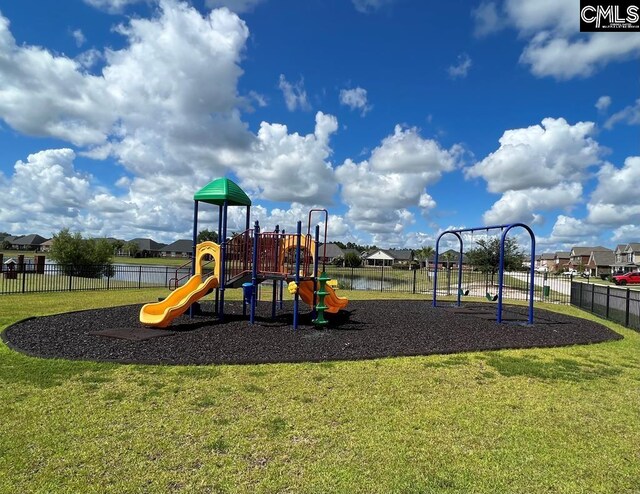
600,262
179,248
147,247
627,258
329,253
46,245
449,260
579,256
561,261
545,262
28,242
389,257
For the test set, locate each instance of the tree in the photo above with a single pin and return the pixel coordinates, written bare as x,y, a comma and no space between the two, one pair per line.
486,257
131,248
352,260
207,235
89,258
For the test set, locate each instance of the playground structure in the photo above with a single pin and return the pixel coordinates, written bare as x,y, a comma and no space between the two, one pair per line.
247,260
504,229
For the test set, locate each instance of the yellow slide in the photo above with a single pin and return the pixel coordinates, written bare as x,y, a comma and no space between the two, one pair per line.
161,314
331,300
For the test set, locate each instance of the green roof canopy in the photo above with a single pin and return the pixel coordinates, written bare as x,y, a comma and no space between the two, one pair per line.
220,190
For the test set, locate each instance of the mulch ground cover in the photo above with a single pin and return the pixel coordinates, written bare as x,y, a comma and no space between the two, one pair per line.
367,329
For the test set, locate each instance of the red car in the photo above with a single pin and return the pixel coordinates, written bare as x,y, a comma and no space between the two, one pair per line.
627,278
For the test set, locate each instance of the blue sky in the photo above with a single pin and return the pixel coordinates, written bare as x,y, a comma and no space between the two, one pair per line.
402,117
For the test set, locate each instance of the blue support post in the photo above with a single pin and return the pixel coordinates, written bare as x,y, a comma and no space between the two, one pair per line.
254,271
297,276
223,258
275,282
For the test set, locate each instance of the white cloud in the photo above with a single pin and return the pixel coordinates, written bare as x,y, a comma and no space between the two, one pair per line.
380,190
488,19
616,201
78,36
555,47
568,232
626,233
112,6
563,58
629,115
295,95
461,69
603,103
45,189
539,156
524,205
356,99
239,6
369,6
290,167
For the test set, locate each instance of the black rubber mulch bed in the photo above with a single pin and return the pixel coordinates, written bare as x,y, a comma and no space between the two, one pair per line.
370,329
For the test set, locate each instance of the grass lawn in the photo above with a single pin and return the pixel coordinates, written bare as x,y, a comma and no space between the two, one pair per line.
549,420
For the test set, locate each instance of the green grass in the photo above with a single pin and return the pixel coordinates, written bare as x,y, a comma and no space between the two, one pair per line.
550,420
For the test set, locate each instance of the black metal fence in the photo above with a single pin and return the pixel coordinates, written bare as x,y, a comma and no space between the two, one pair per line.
55,278
547,288
621,305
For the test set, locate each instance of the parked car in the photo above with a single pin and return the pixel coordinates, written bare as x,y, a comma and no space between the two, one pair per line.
627,278
570,272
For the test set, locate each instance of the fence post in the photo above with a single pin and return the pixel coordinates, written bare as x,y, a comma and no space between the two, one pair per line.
24,274
109,276
166,276
70,277
414,280
351,278
140,276
593,293
608,296
382,276
626,312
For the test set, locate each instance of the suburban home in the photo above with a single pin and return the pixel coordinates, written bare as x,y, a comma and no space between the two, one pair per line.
600,262
179,248
46,245
449,259
627,258
545,262
147,247
389,257
561,261
27,242
579,256
332,253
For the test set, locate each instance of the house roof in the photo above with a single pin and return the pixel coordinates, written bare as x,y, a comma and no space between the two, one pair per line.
147,244
547,256
395,254
585,251
221,190
32,239
562,255
181,245
602,257
633,247
332,251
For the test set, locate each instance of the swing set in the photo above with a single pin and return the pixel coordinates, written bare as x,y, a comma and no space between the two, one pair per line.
491,297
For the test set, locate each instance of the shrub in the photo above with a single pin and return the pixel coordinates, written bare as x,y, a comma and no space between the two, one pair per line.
88,258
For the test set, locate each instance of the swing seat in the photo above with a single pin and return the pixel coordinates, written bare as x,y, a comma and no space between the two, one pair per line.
463,292
492,298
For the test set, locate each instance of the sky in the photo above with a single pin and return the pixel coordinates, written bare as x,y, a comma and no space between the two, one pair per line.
403,118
